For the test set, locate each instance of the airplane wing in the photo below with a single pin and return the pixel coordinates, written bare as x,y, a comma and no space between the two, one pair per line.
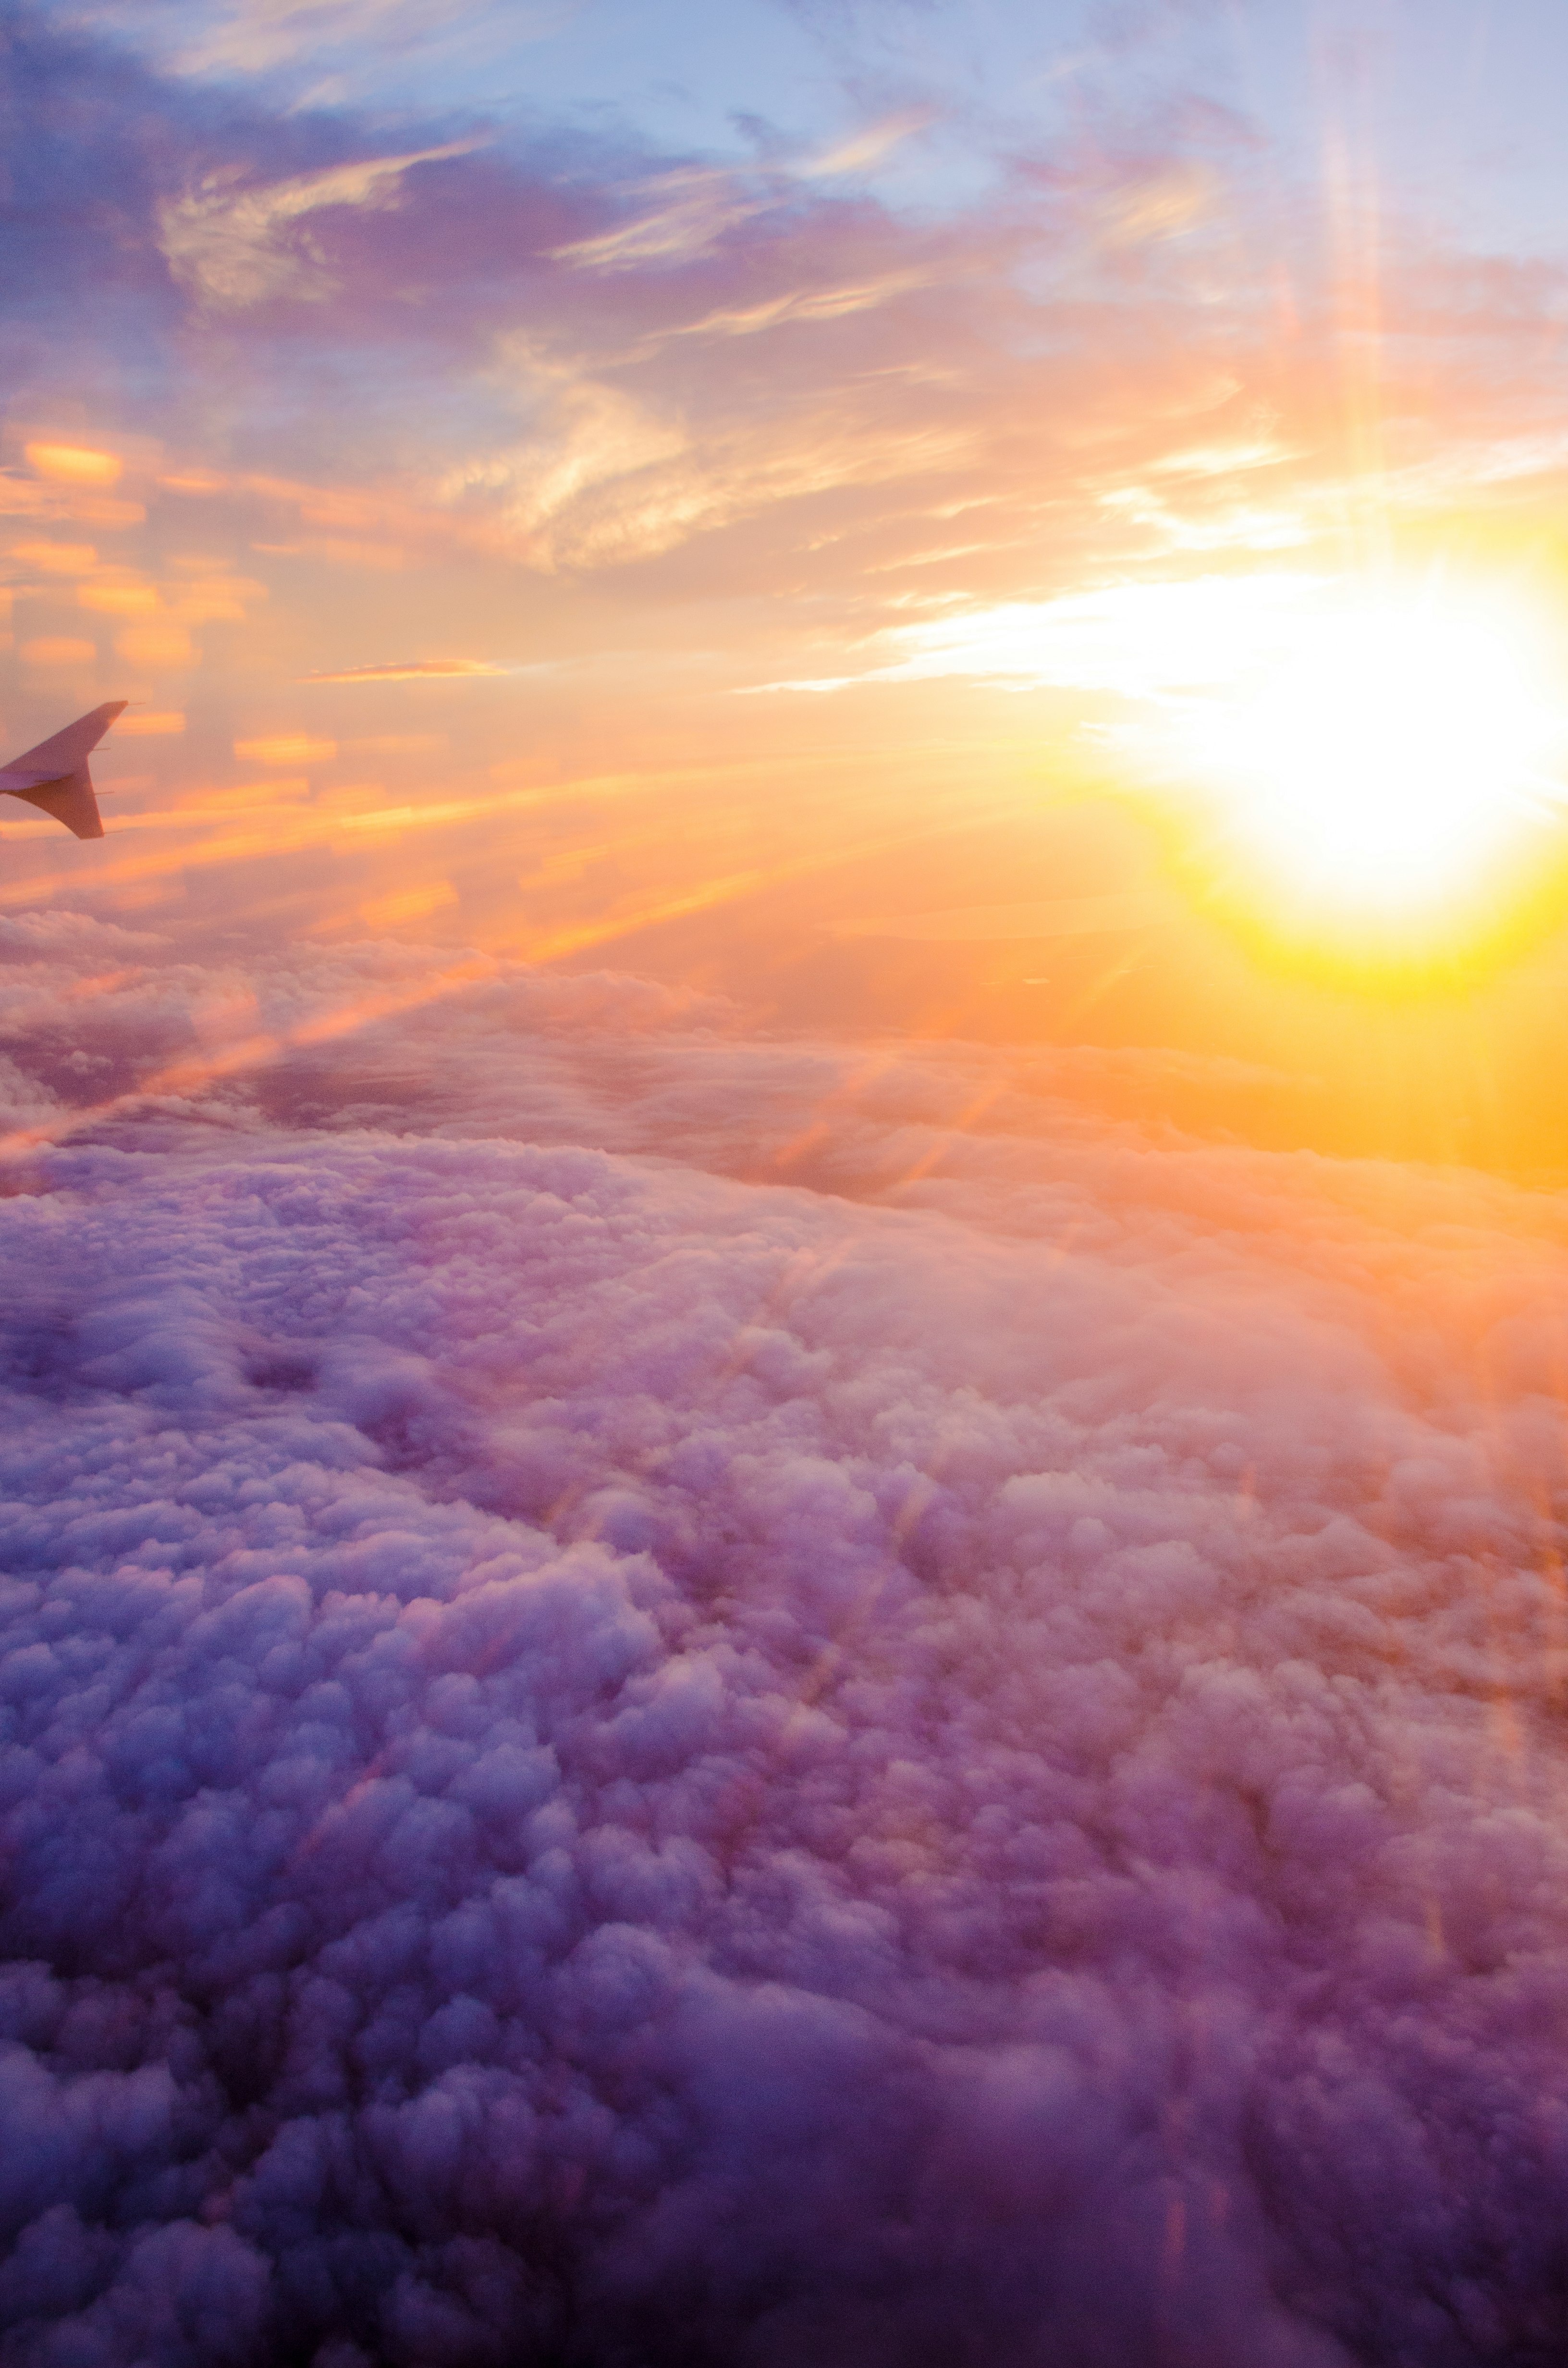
54,775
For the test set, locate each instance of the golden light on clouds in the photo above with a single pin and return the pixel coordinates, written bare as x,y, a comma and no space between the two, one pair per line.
156,646
58,650
75,464
57,558
402,744
153,724
414,670
202,607
287,748
118,599
241,797
408,905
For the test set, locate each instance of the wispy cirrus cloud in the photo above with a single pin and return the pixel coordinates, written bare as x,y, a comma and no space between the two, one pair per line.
567,360
321,43
867,147
237,245
690,210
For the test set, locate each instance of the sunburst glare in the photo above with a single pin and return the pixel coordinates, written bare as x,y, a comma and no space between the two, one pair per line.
1389,746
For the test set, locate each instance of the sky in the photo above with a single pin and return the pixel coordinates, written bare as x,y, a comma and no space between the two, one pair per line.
784,1227
574,477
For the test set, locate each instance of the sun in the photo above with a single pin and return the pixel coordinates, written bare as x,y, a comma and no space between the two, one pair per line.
1370,766
1386,748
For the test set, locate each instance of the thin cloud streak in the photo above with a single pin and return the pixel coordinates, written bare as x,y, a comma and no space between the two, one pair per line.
230,243
415,670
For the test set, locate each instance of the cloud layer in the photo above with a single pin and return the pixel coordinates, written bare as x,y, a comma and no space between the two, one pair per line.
610,1762
669,1696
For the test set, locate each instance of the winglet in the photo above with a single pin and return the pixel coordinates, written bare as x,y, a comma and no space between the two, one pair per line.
54,776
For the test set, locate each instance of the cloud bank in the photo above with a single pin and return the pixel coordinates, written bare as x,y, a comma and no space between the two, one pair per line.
606,1762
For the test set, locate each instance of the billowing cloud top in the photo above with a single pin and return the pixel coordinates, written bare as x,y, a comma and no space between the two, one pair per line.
608,1754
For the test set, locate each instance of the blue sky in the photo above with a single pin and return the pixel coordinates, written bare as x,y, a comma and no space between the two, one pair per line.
1455,99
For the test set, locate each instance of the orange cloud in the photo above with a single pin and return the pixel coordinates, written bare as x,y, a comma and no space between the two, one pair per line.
75,464
156,646
152,724
57,651
287,748
408,905
57,558
412,670
118,599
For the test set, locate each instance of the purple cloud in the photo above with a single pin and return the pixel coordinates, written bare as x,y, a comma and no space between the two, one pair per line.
608,1761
